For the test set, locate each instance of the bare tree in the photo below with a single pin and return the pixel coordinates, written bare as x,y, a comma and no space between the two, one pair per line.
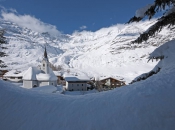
98,85
59,67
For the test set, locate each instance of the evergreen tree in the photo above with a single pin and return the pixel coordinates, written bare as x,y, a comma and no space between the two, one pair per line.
2,42
167,7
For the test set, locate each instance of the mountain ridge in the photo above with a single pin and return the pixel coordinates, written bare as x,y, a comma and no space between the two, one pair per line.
106,52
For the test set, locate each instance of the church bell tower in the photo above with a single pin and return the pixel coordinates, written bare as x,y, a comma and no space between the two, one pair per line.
45,63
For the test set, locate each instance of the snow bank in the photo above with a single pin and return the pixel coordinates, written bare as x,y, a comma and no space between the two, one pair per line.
145,105
45,89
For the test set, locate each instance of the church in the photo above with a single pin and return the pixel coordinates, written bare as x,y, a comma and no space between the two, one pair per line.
35,77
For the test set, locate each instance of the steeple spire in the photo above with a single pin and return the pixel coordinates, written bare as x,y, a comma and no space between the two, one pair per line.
45,62
45,53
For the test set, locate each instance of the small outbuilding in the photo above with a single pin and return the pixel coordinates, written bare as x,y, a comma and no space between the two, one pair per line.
13,75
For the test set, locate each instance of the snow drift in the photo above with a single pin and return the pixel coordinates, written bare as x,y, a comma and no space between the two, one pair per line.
145,105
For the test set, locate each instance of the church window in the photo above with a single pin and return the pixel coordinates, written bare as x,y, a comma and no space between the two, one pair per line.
43,65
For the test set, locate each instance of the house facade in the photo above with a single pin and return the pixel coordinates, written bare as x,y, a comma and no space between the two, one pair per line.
76,83
13,75
44,76
111,82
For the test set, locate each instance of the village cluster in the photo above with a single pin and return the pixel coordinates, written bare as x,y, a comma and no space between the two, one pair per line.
44,76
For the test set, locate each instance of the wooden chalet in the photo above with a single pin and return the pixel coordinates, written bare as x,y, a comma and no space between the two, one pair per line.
111,82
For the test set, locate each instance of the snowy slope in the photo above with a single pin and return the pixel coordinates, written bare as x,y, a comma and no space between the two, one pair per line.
145,105
106,52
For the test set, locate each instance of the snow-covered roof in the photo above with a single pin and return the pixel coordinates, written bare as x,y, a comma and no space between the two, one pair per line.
46,77
34,73
77,78
116,78
14,73
57,73
30,74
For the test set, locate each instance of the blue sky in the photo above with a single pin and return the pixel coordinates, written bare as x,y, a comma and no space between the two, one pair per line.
70,15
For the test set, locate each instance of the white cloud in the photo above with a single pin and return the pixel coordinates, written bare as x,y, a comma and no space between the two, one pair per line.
83,27
30,22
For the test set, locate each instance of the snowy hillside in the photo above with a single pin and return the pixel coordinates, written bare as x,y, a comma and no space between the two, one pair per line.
106,52
145,105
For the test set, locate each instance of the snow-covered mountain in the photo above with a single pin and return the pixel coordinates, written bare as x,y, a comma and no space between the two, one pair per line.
106,52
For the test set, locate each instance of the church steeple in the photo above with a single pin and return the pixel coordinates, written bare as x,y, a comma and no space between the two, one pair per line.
45,53
45,62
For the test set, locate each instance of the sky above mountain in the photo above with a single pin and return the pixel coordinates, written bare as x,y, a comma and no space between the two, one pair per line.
68,15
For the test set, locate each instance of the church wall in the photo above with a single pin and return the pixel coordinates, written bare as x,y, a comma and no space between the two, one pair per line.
34,84
43,83
28,84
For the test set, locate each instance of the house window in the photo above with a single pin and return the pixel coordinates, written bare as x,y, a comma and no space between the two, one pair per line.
82,84
43,65
52,83
72,84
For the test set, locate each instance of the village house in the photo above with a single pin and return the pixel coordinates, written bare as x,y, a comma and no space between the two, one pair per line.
13,75
111,82
74,83
35,77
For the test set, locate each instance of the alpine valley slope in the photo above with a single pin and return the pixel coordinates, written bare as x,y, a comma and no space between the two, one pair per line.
106,52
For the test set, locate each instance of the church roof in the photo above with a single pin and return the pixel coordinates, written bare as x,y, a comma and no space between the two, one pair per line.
34,73
46,77
30,74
